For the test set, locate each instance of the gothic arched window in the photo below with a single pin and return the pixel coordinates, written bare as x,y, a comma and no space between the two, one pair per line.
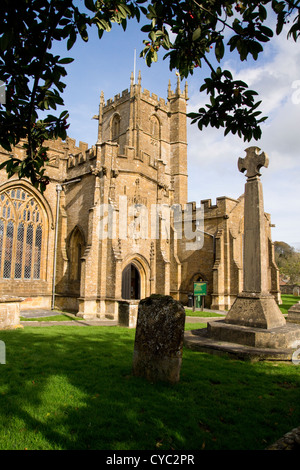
155,137
115,128
154,128
22,234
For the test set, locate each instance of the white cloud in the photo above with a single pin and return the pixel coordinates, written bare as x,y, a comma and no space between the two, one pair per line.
213,157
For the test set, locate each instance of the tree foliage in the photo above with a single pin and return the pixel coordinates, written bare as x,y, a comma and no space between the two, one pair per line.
193,34
288,261
283,251
34,75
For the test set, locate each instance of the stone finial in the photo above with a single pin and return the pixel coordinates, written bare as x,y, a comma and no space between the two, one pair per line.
102,102
186,91
169,90
178,91
253,162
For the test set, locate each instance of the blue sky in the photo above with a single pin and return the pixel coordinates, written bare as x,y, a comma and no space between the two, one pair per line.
106,65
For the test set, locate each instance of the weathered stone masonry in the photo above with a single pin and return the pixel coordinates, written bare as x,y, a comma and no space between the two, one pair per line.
139,160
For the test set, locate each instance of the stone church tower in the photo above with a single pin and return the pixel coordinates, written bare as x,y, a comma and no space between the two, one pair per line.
140,164
106,228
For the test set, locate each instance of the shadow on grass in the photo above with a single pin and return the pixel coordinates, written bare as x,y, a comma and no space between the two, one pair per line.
72,388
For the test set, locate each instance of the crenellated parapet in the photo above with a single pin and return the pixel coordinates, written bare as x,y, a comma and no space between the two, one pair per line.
154,100
222,208
118,98
84,156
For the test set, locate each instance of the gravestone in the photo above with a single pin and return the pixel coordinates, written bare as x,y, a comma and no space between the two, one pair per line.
296,291
2,352
254,327
159,339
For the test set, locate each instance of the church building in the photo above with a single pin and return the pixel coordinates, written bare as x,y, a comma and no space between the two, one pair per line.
115,224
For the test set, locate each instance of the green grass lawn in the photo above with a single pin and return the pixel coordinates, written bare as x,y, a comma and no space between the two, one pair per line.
287,302
65,387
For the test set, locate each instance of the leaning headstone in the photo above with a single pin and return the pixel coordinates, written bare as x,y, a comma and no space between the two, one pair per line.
159,339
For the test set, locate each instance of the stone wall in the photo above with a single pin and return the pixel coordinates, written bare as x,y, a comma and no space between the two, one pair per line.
141,156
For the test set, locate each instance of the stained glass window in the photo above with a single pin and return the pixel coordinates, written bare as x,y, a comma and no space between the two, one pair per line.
21,235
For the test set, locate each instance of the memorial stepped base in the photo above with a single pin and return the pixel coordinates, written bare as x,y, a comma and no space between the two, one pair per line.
243,342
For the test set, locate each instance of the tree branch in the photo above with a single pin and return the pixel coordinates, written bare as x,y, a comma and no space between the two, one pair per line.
209,64
214,16
52,27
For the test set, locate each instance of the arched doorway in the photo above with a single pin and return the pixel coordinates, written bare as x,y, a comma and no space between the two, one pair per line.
131,283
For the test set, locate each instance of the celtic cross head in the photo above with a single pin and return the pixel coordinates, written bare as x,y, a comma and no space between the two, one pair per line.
253,162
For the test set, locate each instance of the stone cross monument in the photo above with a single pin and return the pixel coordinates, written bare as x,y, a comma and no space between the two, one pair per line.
254,328
255,306
255,254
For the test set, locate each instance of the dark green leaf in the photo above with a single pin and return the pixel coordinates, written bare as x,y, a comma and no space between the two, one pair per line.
72,39
196,34
90,5
67,60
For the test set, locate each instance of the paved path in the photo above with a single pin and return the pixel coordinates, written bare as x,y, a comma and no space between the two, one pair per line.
40,313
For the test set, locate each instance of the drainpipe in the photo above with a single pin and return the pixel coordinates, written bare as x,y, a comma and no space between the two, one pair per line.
58,191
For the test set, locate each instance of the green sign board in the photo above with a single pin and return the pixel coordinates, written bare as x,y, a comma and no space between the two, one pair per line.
200,288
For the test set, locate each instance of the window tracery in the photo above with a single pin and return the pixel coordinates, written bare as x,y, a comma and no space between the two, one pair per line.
22,234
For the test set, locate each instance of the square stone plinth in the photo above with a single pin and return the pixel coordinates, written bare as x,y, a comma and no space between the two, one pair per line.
282,337
9,312
128,312
245,343
258,310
